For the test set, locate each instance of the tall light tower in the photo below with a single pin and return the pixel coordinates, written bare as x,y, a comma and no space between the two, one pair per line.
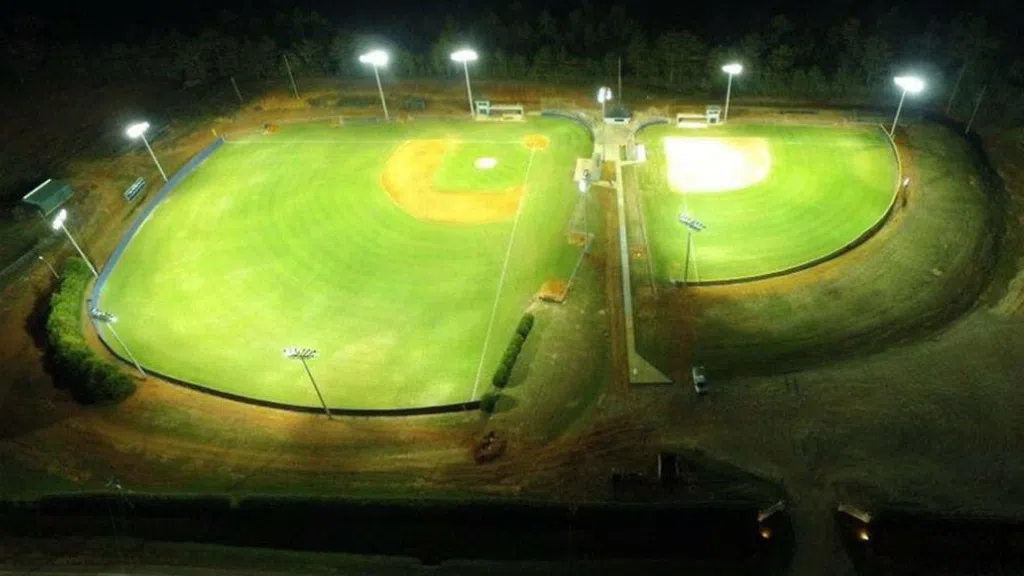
109,320
377,59
604,94
466,55
731,69
911,84
58,224
303,354
138,130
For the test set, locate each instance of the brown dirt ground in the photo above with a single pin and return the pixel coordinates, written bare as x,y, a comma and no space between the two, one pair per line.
553,291
407,179
536,142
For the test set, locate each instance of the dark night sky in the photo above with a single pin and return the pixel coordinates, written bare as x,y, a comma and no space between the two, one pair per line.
715,18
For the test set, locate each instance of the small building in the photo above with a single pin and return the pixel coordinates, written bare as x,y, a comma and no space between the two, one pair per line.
486,110
48,196
618,115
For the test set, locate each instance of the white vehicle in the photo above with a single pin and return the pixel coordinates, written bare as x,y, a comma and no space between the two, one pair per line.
700,379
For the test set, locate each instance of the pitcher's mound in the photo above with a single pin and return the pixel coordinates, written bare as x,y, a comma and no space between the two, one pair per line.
536,142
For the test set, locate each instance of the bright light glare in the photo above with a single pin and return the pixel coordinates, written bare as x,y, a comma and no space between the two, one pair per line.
375,57
734,68
911,84
864,535
137,129
604,94
58,221
464,55
710,165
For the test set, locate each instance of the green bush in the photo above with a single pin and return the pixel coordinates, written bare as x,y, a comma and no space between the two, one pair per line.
525,325
489,402
88,377
503,372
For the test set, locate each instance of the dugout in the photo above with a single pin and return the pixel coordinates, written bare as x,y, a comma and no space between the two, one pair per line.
487,110
48,196
618,115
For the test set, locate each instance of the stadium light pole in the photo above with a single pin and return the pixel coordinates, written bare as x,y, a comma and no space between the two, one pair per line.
731,69
604,94
377,59
465,56
911,84
303,354
109,320
54,272
58,224
138,130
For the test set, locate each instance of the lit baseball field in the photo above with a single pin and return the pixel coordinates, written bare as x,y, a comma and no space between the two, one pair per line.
772,198
405,254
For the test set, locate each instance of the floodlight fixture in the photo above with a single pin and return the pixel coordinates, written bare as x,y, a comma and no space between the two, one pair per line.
378,59
59,219
109,319
732,69
138,130
375,57
466,55
58,224
604,94
911,84
303,354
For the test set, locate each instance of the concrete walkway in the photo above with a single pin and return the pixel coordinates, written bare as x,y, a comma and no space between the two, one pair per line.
612,138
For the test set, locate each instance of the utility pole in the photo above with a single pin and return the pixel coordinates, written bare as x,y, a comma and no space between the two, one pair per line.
956,86
237,93
290,77
977,103
620,79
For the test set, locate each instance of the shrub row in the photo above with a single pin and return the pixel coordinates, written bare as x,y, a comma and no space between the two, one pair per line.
515,346
88,377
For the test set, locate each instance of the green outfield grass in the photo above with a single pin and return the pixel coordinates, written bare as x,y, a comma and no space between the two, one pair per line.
824,187
290,240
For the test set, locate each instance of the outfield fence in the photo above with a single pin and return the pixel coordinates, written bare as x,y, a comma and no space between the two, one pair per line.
576,117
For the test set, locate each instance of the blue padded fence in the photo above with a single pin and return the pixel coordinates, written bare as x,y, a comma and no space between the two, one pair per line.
144,215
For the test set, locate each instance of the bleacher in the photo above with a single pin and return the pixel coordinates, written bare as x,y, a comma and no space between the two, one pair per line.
137,187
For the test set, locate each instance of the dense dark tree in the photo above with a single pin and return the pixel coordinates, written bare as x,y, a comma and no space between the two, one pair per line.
851,59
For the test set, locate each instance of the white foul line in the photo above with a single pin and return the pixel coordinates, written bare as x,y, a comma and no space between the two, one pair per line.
501,280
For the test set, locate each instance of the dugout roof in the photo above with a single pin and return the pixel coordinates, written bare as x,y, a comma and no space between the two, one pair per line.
48,196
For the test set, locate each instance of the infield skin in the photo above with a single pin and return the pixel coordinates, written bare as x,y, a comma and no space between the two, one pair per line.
407,177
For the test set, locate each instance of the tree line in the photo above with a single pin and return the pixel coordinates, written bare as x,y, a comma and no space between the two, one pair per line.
849,60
